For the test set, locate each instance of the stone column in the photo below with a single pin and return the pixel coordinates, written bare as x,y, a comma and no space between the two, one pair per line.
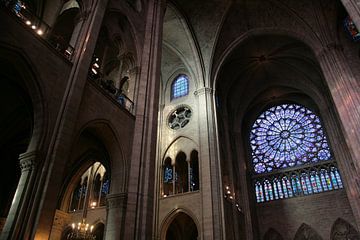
51,181
210,183
115,208
345,95
140,204
61,221
17,216
189,174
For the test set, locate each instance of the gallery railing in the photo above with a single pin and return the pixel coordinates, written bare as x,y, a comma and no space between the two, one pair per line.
113,91
39,27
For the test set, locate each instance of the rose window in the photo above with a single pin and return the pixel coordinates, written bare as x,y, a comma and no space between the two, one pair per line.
179,118
287,135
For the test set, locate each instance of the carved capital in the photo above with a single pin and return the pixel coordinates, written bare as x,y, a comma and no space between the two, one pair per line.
204,90
27,160
116,201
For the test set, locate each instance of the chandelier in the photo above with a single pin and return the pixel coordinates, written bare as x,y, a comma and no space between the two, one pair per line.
81,230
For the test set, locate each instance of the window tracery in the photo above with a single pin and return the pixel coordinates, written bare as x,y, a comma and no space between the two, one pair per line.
285,136
182,176
92,188
180,86
291,136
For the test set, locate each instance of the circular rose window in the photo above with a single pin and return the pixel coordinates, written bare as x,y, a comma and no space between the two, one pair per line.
179,118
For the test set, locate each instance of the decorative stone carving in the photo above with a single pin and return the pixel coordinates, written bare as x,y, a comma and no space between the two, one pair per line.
27,161
202,91
180,117
305,232
342,230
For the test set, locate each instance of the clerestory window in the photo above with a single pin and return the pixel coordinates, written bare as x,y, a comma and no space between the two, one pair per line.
180,86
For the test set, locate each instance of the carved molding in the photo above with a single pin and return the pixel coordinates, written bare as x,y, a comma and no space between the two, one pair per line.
27,160
202,91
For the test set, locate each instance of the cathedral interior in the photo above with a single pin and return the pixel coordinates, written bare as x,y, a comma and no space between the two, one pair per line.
180,119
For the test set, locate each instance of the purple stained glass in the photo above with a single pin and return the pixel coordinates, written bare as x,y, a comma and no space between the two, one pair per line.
287,135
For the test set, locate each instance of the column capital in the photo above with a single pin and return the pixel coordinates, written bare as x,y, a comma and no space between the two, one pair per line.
27,160
204,90
117,200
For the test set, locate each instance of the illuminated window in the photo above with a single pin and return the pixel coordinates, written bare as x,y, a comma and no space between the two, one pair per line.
290,154
180,87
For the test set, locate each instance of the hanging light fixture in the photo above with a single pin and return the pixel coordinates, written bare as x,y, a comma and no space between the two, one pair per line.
81,231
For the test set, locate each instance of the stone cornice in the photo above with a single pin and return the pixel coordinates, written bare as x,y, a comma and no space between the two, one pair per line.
202,91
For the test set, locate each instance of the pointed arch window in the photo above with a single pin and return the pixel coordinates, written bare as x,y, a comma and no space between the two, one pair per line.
182,175
180,86
92,188
288,144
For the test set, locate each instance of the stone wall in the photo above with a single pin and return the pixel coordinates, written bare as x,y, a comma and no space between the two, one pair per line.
319,211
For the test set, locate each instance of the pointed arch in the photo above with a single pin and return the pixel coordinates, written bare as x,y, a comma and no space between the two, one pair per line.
182,143
272,234
14,60
305,232
342,230
182,43
180,224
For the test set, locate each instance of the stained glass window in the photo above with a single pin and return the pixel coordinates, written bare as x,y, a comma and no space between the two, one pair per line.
337,175
294,183
285,136
180,87
106,187
168,174
259,192
351,29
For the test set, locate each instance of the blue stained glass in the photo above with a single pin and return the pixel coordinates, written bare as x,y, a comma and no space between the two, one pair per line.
303,184
257,191
328,181
180,87
333,180
287,135
318,183
308,184
276,194
281,194
298,185
351,29
337,175
266,190
323,180
295,186
313,183
17,7
105,187
168,174
289,189
283,181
